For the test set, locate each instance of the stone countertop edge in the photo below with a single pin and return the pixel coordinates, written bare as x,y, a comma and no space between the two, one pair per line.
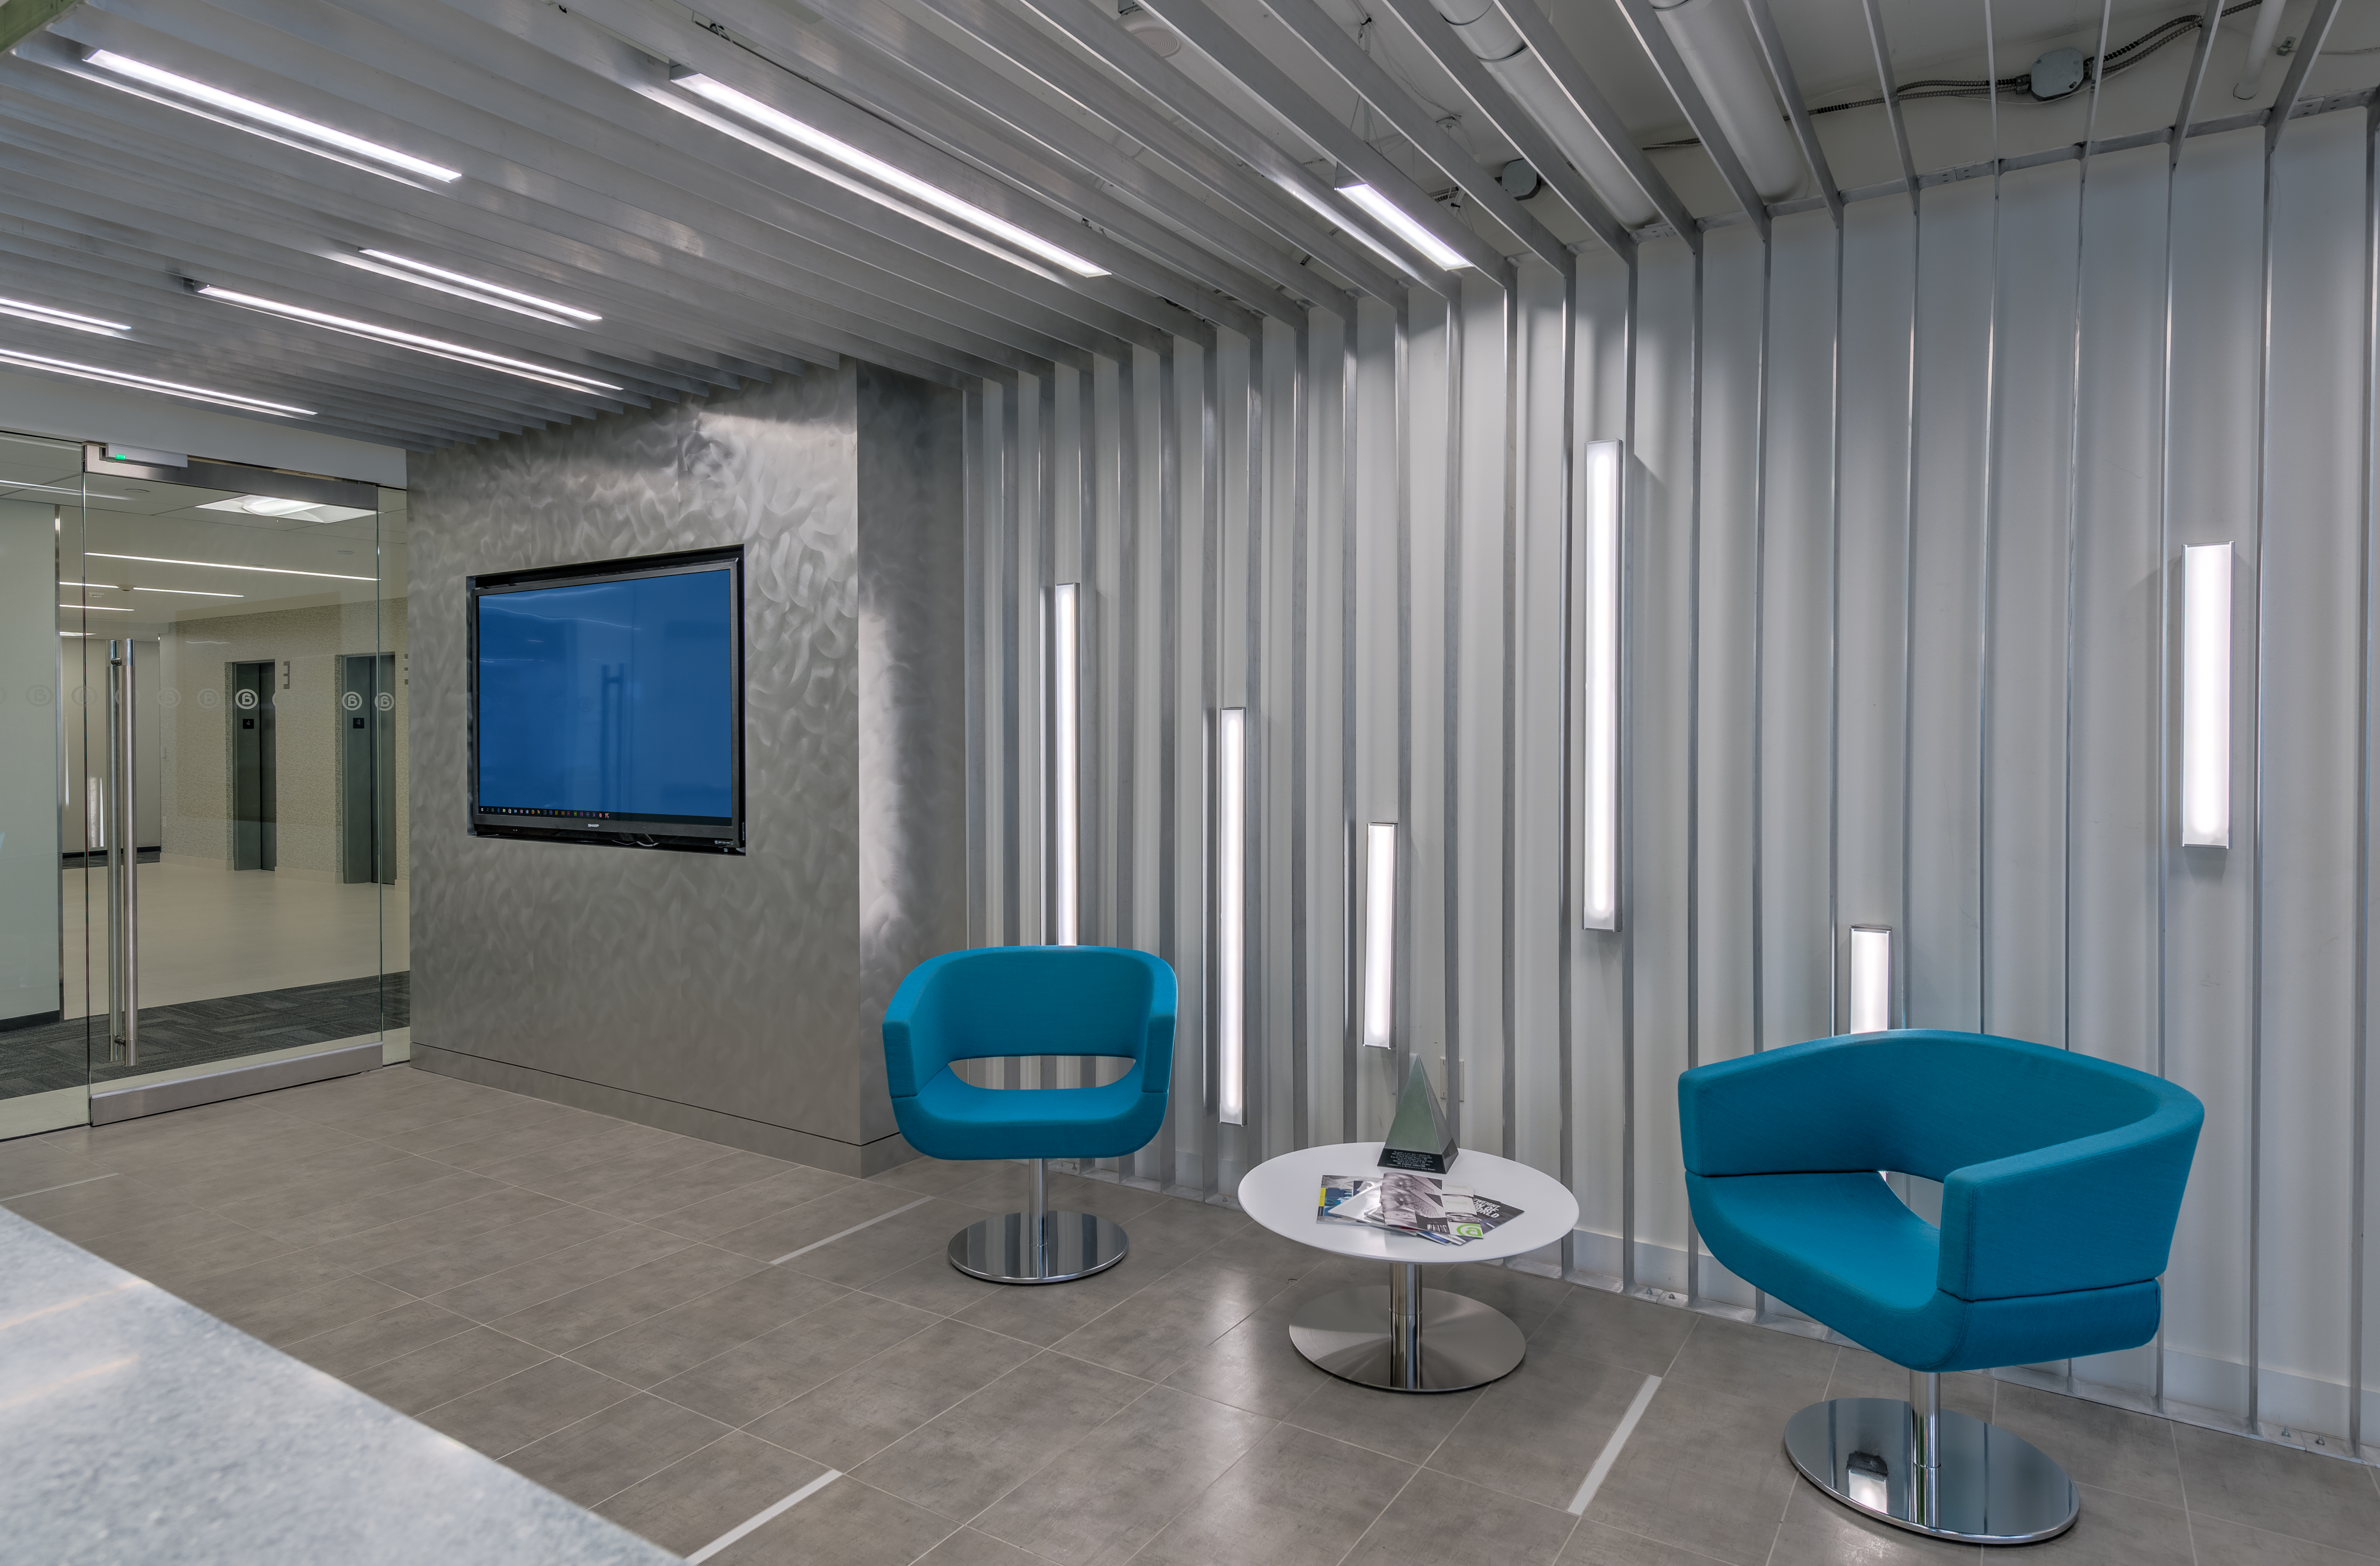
138,1428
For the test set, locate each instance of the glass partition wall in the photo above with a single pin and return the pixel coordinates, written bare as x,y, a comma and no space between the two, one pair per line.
202,820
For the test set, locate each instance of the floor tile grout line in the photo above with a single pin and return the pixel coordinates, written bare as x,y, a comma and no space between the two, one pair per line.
1056,1454
44,1191
1386,1508
767,1515
423,1416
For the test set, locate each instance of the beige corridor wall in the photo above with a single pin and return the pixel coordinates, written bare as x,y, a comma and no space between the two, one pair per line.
309,641
29,756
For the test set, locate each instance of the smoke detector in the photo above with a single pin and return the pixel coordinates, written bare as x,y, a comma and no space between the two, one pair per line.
1155,36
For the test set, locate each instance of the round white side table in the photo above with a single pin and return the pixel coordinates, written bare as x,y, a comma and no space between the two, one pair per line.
1401,1337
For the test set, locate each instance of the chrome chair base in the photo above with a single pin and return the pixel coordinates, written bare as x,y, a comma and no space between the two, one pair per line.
1986,1486
1074,1245
1436,1343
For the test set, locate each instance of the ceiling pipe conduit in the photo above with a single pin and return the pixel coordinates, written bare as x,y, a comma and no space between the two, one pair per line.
1490,35
1780,70
1654,37
1518,125
1714,39
1551,53
1360,71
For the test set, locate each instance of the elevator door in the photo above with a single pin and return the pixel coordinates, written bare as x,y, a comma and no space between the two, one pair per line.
367,720
250,715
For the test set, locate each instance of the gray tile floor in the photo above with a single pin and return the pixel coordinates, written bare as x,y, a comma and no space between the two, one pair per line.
594,1303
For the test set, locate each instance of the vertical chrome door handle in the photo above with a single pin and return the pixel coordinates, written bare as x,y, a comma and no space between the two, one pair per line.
123,855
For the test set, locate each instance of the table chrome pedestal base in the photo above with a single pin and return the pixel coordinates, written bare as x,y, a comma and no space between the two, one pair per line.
1984,1486
1404,1338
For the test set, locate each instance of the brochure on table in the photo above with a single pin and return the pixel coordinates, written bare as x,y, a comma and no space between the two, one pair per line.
1420,1204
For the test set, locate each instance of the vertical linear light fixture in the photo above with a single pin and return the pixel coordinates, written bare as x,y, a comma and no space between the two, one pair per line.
2206,695
1379,934
1599,686
1871,981
1065,760
1231,914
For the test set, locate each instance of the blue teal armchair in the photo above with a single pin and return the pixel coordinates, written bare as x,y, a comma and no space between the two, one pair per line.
1032,1001
2062,1177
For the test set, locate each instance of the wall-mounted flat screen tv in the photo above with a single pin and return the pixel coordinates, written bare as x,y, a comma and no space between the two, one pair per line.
607,702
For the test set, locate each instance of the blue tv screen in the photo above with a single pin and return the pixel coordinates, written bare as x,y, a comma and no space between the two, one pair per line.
607,703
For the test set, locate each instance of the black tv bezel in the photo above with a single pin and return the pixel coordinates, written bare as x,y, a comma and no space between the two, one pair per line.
693,837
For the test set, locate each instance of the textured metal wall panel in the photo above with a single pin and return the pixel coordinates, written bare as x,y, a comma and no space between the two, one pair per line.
912,702
732,984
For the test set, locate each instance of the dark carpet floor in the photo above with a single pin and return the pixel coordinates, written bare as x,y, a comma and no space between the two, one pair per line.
68,1054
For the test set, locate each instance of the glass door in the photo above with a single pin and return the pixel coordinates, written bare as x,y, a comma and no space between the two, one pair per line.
44,1072
230,702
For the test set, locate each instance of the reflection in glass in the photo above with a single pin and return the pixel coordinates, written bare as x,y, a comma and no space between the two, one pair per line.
267,737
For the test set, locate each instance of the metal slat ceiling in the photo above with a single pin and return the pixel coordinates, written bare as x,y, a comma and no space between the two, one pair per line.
716,249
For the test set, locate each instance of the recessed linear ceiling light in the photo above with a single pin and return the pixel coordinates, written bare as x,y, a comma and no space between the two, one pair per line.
365,263
144,383
273,505
100,586
437,347
66,318
876,168
265,114
186,592
111,608
1394,217
227,565
474,287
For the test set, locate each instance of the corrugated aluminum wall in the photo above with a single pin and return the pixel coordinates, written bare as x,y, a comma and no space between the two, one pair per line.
1856,696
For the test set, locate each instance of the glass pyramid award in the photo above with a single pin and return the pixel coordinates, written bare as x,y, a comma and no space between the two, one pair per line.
1418,1138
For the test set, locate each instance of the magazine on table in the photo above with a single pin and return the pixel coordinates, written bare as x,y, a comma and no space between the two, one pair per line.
1420,1204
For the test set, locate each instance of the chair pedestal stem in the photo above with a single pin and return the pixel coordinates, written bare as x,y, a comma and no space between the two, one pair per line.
1037,1265
1925,1445
1037,1246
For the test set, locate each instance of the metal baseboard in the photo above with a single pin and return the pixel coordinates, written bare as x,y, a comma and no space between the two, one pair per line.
188,1092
